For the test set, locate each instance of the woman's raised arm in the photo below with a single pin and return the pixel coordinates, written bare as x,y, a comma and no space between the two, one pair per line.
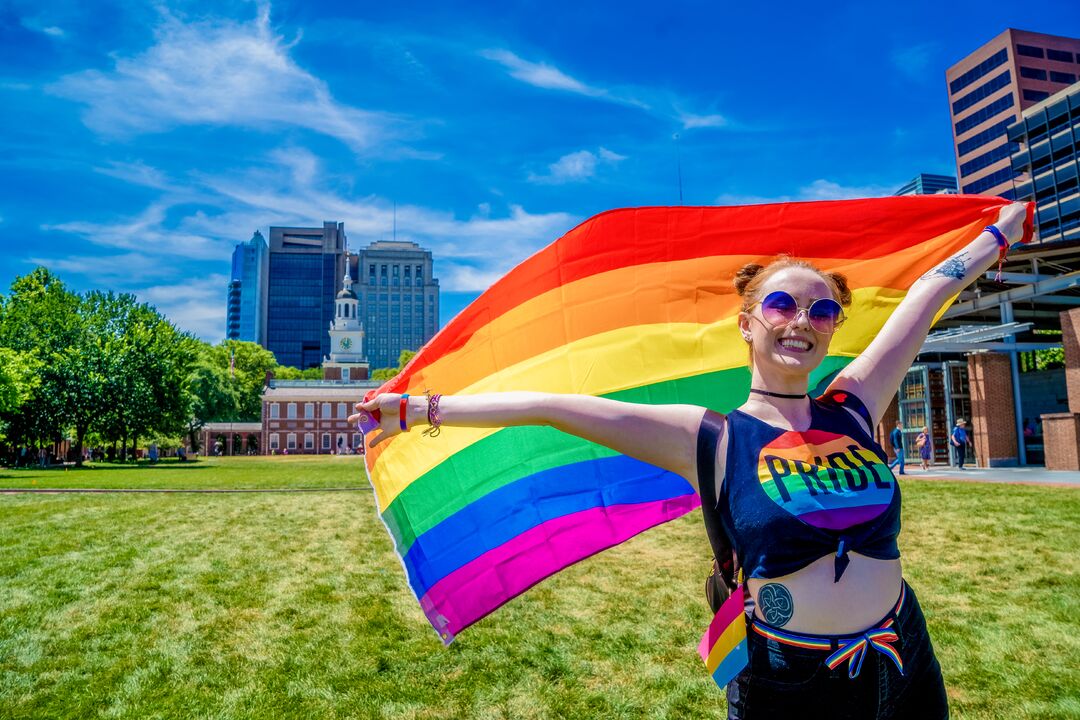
662,435
875,375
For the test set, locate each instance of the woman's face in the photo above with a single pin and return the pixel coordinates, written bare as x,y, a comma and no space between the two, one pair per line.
795,347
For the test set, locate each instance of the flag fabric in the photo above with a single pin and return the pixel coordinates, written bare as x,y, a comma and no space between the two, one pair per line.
723,646
635,305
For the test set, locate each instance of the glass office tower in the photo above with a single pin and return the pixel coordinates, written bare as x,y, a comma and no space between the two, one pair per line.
245,317
1048,163
304,269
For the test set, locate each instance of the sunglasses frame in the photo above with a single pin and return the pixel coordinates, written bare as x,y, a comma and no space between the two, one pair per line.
840,318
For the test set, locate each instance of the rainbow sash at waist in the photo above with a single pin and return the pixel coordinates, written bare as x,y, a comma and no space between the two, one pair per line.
846,648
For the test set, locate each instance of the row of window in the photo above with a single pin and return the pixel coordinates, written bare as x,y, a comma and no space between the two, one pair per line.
1051,54
309,441
994,178
982,137
983,91
995,60
395,270
984,114
1040,74
309,408
1035,95
988,158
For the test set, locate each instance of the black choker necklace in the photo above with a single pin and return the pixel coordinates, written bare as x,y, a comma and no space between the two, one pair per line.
779,395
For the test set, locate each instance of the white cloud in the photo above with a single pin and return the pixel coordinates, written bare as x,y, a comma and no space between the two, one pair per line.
576,166
196,305
914,61
216,72
541,75
820,189
691,121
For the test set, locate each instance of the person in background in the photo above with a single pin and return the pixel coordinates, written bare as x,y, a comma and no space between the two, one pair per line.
926,447
896,439
959,440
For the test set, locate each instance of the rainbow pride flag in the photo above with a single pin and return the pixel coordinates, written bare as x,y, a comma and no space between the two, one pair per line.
636,305
723,646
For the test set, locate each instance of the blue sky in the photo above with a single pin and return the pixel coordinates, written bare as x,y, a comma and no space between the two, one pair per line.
141,142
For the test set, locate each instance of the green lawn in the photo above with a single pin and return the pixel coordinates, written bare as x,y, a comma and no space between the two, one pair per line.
294,605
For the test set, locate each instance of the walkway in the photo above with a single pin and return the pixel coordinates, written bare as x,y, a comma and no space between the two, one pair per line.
1034,475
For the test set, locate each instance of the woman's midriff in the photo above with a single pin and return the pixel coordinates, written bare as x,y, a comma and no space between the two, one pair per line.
864,595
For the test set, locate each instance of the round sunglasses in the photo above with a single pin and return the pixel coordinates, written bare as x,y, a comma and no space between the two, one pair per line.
779,308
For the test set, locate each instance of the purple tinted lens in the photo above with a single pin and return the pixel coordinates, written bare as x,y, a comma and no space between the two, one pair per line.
825,315
778,308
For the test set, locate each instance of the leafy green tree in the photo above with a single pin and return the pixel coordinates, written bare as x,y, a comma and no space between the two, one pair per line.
387,373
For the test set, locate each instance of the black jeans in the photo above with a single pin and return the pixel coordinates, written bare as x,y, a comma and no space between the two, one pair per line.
784,681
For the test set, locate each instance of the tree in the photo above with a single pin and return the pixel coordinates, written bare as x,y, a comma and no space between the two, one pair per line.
388,373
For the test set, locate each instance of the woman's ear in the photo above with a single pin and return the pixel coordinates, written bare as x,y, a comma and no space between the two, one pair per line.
744,326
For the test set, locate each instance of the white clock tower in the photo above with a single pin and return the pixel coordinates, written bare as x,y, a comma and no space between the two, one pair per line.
346,336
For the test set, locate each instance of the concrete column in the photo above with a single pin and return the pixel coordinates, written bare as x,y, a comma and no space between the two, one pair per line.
1070,339
993,421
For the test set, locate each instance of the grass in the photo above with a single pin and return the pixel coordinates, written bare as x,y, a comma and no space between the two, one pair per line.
294,605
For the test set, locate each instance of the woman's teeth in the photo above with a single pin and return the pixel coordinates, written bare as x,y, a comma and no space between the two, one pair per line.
794,344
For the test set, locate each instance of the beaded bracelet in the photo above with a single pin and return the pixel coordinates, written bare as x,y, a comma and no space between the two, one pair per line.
433,416
1003,247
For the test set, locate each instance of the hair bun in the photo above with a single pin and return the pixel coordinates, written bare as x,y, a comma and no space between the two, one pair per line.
744,275
843,292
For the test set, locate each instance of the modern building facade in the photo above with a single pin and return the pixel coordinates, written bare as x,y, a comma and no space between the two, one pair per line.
245,317
928,184
1046,161
399,299
304,267
988,91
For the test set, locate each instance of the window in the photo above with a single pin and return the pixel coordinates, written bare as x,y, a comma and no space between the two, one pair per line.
1059,55
275,441
371,269
419,273
290,441
1032,73
326,441
1060,77
984,184
357,440
342,410
984,114
345,374
291,411
976,141
1035,95
309,441
327,410
988,158
397,270
275,410
382,271
1029,51
983,91
309,411
998,58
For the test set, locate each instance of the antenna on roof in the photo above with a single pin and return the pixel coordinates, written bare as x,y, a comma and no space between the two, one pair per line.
395,221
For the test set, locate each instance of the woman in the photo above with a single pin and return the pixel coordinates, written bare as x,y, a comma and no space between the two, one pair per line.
818,546
926,447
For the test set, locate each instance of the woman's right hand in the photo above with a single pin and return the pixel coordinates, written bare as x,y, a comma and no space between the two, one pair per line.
388,406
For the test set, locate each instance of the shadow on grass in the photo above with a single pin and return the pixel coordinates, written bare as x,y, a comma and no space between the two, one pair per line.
91,467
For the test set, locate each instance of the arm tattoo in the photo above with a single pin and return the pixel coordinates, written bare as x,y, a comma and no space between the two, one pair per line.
955,267
776,605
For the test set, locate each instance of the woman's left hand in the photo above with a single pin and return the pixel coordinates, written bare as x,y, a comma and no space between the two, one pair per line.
1011,221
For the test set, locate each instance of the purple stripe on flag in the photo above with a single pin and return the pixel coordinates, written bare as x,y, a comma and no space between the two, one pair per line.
842,518
479,587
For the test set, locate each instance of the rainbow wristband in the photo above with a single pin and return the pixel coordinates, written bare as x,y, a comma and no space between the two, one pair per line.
401,412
